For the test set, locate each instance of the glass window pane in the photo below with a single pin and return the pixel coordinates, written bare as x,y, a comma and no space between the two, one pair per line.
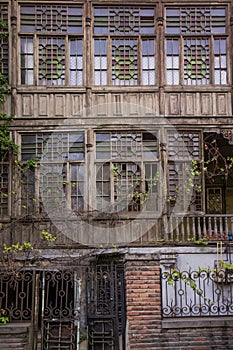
145,79
151,78
169,62
97,78
151,62
217,62
223,46
223,61
217,79
176,77
223,77
30,62
30,78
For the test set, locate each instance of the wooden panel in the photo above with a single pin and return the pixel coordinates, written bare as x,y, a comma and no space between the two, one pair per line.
206,104
190,104
101,104
117,105
43,105
174,104
27,105
76,105
133,104
149,103
6,107
59,105
221,104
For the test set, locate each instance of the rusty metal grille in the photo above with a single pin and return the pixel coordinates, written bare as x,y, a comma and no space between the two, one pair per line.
202,292
17,295
60,309
56,310
106,306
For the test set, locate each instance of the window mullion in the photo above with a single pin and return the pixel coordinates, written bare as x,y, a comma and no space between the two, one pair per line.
109,61
140,63
36,59
68,184
67,56
181,60
112,182
212,59
37,189
143,178
228,60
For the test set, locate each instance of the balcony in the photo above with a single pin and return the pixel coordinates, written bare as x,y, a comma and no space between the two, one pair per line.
121,231
191,227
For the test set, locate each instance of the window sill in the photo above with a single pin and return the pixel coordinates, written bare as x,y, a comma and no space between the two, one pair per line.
197,322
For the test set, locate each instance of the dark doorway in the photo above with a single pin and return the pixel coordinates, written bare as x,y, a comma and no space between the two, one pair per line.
106,305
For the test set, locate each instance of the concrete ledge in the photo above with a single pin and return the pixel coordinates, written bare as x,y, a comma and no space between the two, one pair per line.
14,328
197,322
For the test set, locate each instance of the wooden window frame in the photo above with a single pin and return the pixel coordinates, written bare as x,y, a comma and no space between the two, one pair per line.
30,58
60,166
179,56
137,196
105,61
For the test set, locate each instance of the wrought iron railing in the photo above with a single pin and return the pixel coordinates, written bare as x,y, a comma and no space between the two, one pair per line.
201,292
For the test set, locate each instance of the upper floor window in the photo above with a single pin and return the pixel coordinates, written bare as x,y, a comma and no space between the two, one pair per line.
196,44
51,45
124,46
58,178
4,40
184,183
126,171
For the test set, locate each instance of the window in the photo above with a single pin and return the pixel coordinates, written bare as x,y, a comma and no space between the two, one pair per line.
58,177
4,40
218,151
126,171
51,45
124,46
196,42
214,200
183,159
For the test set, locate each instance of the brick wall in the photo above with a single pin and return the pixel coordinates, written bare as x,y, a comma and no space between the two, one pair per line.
143,302
194,337
145,327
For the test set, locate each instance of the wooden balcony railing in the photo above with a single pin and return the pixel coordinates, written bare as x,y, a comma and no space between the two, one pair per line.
183,228
175,229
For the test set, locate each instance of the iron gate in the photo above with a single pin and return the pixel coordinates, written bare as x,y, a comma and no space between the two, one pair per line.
49,300
106,306
60,292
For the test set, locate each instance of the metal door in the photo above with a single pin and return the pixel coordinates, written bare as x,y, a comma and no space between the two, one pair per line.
106,306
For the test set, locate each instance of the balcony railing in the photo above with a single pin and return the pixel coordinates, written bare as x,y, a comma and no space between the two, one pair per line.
175,229
184,228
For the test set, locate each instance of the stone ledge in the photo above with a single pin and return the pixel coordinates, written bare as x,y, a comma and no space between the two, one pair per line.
197,322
